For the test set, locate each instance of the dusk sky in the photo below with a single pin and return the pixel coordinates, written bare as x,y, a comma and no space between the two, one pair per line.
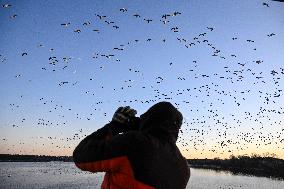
66,66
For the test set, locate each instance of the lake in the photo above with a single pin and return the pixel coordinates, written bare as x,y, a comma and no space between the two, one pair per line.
28,175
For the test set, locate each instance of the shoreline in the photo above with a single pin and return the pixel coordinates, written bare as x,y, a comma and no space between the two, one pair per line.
252,166
237,171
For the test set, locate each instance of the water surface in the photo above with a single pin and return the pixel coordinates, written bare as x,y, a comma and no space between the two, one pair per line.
51,175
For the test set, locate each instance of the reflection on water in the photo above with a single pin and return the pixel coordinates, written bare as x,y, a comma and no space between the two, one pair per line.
203,178
27,175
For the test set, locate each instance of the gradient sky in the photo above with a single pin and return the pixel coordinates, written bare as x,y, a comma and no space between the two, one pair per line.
65,87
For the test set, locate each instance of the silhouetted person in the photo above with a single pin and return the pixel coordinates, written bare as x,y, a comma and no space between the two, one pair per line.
137,153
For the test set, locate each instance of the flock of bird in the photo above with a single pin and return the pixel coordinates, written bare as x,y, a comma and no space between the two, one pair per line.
206,127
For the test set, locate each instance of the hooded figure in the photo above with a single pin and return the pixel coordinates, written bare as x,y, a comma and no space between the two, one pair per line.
137,153
162,120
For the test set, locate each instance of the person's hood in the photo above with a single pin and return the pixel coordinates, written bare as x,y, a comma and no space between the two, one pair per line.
162,120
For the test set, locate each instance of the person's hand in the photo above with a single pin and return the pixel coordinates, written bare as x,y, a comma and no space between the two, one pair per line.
124,115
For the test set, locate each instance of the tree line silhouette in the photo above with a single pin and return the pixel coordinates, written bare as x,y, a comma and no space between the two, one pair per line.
33,158
267,165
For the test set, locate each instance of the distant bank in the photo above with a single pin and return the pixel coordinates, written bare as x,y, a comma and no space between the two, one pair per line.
250,165
33,158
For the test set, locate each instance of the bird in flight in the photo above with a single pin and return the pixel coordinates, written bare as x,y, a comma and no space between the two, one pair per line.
165,16
96,30
250,41
109,22
176,13
165,21
265,4
6,5
65,24
13,16
100,17
123,9
148,20
174,29
86,23
211,29
270,35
